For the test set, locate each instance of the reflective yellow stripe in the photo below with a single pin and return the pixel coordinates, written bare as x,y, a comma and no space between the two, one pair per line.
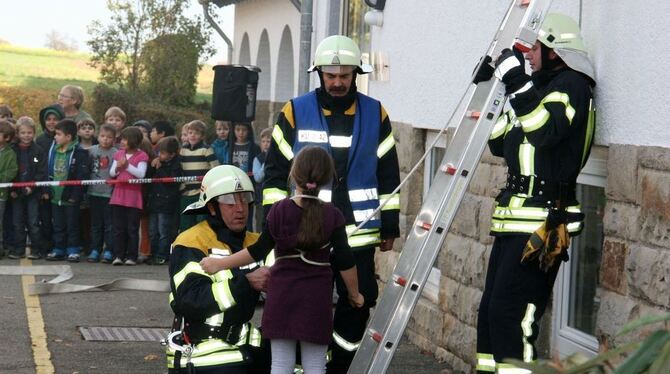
190,268
527,227
511,369
539,116
326,195
527,329
283,145
499,127
590,125
272,195
215,320
393,201
385,146
344,344
270,258
527,159
364,240
255,337
351,228
224,298
485,362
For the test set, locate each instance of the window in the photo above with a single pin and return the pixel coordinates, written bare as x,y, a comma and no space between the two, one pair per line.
576,298
354,26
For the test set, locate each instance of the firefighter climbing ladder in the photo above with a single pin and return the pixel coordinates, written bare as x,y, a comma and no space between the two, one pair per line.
473,119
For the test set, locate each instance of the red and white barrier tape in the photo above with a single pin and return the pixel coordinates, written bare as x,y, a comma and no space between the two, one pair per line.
90,182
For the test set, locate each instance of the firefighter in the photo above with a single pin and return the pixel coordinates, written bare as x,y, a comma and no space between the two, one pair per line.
545,138
356,130
213,332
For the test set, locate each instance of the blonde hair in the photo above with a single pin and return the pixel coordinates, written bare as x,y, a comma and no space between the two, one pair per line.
115,111
77,94
197,126
26,122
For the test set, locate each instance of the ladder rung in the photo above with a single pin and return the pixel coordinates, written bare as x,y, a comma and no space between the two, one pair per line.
376,336
400,281
449,169
424,225
524,2
473,114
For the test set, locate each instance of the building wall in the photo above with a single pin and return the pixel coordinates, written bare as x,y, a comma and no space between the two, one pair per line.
432,49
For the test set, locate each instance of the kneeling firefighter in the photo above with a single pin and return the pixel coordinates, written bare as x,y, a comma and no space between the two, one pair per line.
212,332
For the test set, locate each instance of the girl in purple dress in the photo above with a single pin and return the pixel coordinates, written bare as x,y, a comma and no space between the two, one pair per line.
303,230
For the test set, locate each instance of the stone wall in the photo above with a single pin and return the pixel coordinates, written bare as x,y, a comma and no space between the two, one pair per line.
635,271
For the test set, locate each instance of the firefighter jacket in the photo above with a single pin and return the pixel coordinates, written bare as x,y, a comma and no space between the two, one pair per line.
216,309
545,138
360,139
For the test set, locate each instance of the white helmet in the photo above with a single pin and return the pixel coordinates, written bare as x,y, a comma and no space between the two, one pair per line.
562,34
337,53
219,181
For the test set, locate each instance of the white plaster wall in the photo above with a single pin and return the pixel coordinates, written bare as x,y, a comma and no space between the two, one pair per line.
631,54
434,45
253,16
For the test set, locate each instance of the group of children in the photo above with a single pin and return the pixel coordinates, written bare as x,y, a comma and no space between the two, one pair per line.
106,216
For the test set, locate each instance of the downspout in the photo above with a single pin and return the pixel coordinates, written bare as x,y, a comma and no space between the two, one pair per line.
305,44
208,17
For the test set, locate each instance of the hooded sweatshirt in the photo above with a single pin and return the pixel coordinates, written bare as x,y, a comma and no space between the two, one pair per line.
46,138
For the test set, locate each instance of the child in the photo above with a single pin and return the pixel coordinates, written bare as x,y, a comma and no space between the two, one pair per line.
8,169
183,135
299,297
86,133
130,162
259,174
5,112
220,145
145,127
49,117
32,167
242,152
67,161
71,99
164,200
98,195
117,118
196,159
160,130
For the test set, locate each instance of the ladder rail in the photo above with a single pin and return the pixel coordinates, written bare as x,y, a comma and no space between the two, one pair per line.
428,233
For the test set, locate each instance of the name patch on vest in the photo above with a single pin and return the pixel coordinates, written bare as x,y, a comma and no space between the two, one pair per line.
312,136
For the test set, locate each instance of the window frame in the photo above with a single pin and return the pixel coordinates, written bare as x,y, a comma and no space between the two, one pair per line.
567,340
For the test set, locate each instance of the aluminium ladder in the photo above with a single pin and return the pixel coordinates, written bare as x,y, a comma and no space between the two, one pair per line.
474,120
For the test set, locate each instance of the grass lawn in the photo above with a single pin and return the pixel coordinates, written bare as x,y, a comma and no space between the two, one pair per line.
48,70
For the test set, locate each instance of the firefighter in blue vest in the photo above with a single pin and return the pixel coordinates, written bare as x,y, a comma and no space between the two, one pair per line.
356,130
212,332
545,137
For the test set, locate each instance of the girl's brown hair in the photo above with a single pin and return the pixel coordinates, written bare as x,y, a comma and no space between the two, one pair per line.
312,169
133,136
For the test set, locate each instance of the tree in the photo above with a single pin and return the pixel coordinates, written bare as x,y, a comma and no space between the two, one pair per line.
117,47
59,42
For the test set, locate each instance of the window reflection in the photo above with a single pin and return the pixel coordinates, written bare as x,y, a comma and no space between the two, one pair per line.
585,261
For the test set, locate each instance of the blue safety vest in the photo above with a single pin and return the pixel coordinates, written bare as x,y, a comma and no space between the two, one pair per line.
312,129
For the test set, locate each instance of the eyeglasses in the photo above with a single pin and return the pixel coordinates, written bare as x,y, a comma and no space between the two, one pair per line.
63,96
235,198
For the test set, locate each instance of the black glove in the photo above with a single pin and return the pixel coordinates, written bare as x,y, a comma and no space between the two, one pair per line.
485,71
510,70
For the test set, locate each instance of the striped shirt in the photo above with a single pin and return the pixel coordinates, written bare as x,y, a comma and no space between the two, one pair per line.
196,160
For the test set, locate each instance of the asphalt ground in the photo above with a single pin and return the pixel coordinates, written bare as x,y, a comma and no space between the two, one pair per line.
63,347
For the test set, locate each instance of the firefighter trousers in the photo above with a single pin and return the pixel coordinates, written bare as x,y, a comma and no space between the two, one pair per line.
514,299
349,323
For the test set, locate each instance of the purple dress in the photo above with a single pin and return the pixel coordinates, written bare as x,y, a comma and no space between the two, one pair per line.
299,295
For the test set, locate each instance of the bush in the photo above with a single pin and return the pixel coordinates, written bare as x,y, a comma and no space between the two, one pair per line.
171,69
138,107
